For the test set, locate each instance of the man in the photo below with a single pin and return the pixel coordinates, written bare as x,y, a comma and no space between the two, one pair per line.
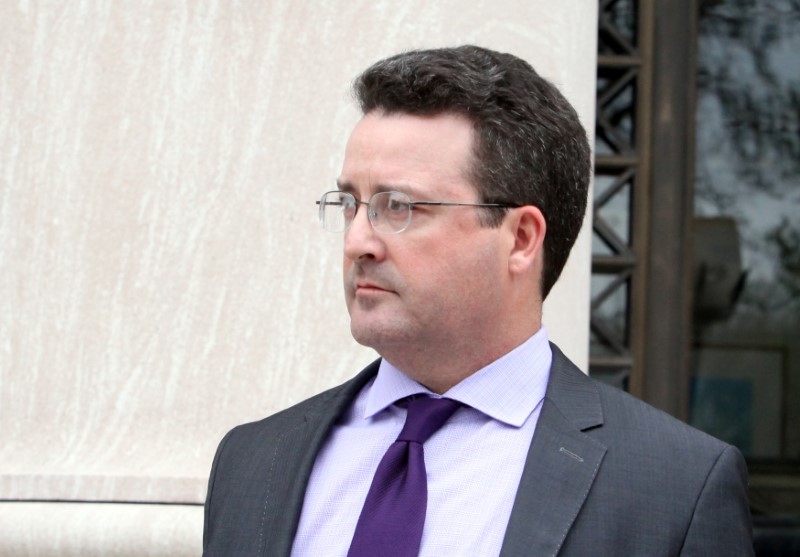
461,194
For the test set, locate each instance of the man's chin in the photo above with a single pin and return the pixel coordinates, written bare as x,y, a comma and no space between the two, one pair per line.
374,333
363,335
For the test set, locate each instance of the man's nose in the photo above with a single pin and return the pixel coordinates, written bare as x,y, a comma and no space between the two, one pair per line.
361,240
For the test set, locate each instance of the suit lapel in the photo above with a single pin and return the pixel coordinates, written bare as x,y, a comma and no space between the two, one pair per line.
561,465
293,459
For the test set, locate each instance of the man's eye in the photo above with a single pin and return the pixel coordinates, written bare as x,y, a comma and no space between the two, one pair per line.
396,206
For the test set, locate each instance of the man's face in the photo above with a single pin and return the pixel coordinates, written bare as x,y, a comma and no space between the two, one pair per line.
439,283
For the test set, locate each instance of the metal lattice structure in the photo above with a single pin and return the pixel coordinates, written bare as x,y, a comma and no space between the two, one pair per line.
620,200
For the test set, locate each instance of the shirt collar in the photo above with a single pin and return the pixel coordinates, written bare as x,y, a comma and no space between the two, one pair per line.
507,390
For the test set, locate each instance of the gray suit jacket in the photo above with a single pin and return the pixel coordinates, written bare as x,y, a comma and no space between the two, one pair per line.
606,475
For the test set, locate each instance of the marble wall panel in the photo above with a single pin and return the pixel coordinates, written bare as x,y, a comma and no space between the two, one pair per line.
162,275
32,529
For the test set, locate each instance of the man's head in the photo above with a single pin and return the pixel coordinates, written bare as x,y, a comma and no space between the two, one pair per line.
529,148
440,287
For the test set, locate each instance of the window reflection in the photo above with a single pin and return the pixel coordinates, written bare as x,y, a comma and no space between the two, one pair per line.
746,357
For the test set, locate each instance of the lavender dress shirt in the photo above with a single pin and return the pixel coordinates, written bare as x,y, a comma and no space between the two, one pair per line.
469,499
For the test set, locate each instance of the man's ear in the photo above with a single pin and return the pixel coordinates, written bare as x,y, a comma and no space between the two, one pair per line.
529,227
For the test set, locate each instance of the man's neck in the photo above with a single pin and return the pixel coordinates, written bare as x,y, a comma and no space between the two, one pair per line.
441,369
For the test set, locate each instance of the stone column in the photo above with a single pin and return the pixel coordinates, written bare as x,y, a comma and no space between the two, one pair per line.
162,273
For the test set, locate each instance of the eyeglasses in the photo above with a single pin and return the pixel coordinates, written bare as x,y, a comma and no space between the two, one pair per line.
388,211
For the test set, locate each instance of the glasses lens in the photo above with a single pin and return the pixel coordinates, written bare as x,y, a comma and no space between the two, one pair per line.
390,211
336,211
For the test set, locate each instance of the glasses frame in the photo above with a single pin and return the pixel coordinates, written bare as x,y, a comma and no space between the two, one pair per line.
372,215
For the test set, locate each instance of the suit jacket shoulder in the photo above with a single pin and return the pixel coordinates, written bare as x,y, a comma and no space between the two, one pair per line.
610,475
260,472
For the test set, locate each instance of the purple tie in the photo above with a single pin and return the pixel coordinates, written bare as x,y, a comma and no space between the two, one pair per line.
391,521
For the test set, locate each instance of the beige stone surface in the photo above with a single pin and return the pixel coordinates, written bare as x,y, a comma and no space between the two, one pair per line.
162,274
110,530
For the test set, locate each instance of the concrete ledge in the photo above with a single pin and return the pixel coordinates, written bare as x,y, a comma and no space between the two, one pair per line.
102,488
53,529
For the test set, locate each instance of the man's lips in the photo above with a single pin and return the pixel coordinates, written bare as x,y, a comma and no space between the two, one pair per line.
369,287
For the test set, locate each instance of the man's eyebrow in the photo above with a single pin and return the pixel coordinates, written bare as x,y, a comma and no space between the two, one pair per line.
347,186
403,188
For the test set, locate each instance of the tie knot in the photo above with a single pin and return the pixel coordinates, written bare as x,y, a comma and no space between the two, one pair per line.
425,416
